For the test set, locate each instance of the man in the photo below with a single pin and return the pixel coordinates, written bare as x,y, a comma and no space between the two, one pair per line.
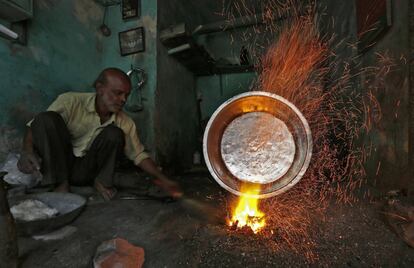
82,135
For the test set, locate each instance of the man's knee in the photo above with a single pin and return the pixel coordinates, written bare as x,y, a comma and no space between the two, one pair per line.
46,119
113,134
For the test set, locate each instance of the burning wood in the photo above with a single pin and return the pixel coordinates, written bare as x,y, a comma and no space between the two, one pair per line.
247,212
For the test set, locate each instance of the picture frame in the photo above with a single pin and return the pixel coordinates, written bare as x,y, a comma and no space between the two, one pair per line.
132,41
130,9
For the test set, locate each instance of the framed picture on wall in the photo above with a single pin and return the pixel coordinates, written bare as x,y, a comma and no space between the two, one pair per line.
131,9
132,41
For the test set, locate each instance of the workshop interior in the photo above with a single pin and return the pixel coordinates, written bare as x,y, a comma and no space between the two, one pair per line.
248,133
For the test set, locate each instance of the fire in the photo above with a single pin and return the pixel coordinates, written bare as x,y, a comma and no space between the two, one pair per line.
247,212
302,64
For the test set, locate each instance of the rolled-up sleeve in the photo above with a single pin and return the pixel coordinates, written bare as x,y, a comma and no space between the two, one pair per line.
134,149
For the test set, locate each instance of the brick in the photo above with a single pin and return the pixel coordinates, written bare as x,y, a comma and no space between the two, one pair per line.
118,253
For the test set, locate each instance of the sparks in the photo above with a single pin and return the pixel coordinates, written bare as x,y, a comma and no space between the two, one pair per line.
300,62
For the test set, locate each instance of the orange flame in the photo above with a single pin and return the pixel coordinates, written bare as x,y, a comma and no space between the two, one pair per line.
247,212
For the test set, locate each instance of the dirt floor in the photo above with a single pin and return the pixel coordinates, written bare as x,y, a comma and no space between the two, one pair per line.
177,234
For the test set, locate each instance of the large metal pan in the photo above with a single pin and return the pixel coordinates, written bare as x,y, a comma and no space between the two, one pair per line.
257,139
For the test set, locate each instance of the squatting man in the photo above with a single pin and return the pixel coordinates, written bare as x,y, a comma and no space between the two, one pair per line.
81,136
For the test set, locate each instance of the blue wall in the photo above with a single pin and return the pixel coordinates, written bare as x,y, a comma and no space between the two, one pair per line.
145,60
65,52
215,90
62,54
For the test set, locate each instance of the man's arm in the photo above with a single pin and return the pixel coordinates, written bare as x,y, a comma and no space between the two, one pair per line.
149,166
29,162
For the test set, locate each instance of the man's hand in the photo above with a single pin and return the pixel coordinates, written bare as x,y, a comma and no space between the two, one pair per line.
29,163
169,186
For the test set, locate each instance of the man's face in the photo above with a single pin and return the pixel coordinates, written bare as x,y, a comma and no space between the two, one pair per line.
113,94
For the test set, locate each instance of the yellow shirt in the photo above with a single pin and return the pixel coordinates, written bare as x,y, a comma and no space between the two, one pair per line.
83,122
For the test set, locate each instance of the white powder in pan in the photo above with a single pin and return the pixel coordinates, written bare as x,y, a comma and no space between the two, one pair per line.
31,210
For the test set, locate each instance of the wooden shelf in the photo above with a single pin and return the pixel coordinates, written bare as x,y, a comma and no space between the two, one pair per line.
195,57
16,10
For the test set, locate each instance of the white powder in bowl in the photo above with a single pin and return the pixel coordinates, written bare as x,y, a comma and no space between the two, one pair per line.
31,210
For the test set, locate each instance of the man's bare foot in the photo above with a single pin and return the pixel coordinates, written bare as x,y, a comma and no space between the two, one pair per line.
107,193
62,188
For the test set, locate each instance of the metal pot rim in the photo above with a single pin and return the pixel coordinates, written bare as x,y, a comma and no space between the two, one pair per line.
304,124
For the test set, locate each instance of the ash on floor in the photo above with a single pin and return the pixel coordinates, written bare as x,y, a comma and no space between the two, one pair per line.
173,235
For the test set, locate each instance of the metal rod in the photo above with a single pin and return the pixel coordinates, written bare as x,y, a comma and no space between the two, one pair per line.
6,32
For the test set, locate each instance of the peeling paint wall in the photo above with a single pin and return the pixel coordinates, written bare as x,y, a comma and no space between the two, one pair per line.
66,52
62,54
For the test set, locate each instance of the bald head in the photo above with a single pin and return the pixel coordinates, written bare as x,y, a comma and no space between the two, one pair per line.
103,77
112,89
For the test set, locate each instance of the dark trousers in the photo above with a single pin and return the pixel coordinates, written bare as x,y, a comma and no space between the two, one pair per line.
52,141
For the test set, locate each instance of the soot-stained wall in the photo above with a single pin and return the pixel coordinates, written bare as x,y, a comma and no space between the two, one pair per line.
387,144
177,118
182,99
